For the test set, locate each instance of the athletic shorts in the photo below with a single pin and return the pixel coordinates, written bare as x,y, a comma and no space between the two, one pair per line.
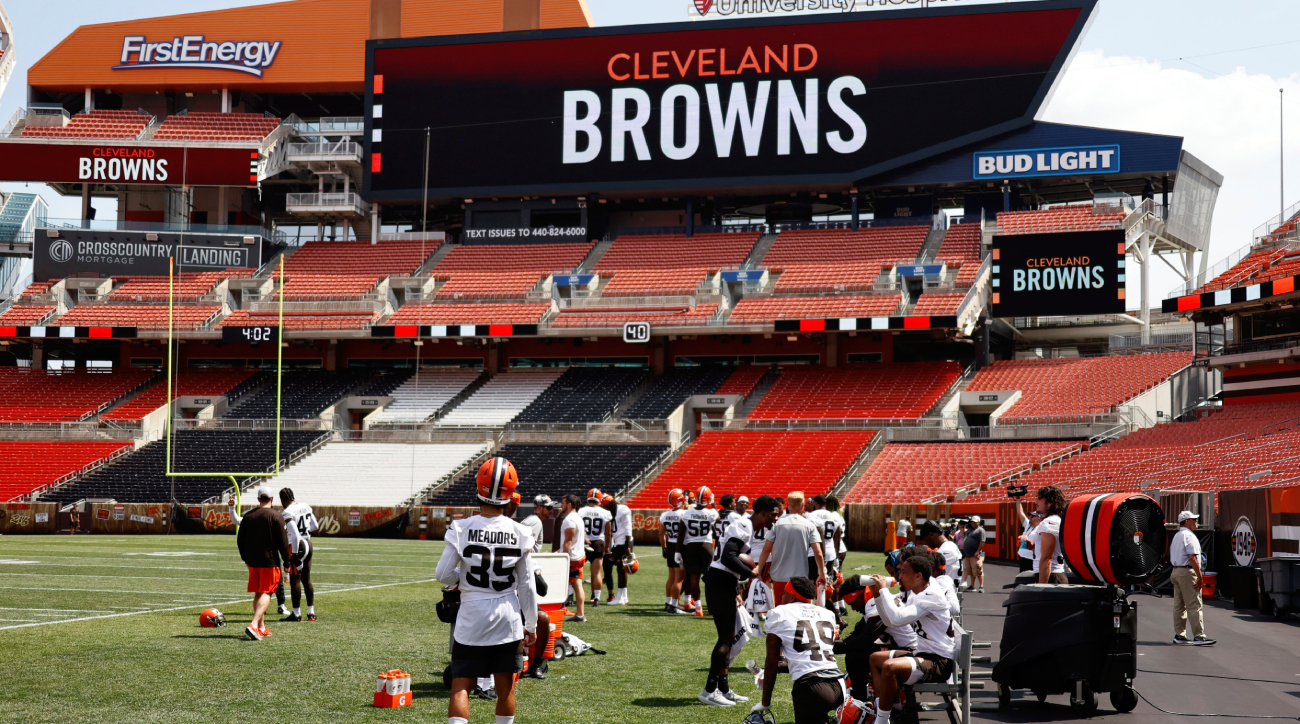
575,568
668,556
472,662
934,669
263,580
596,549
816,698
720,595
812,569
697,558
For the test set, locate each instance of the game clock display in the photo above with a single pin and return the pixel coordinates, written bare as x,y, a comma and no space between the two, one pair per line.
262,333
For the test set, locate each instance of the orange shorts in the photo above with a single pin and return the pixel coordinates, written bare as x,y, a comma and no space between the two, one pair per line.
263,580
575,567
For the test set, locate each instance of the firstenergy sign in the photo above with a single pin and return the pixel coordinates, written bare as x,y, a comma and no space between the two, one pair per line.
767,102
195,51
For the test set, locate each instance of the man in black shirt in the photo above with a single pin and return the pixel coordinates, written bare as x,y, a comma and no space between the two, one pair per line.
263,545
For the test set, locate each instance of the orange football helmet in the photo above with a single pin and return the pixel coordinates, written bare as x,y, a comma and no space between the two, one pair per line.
676,497
497,480
594,494
705,497
630,564
212,618
606,499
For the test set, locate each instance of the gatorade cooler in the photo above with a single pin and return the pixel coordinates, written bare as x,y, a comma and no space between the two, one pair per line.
1209,581
556,612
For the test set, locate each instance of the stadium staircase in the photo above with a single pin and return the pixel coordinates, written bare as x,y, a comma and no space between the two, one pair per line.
761,247
930,247
594,256
764,385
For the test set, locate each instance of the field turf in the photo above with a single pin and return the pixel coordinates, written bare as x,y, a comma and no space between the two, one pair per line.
105,629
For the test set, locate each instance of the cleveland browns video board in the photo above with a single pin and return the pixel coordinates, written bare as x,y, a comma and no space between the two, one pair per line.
1058,274
771,102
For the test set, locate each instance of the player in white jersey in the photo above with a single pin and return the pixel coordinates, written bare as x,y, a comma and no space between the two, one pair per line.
832,532
595,524
804,633
696,544
620,529
489,557
721,589
299,524
816,513
927,611
669,534
573,542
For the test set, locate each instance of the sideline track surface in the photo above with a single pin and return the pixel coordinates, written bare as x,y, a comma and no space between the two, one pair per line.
1256,648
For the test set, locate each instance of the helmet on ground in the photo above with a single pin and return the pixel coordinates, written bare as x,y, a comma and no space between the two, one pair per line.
705,497
853,711
606,499
762,716
497,480
594,495
630,564
676,497
212,618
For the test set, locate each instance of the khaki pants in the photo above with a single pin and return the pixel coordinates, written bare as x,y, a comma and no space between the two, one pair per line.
1187,603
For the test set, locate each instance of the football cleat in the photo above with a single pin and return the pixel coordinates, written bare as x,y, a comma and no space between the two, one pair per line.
292,618
212,618
733,696
311,617
253,633
496,481
714,698
284,610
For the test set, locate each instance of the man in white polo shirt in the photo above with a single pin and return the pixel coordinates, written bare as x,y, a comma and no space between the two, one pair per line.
1185,556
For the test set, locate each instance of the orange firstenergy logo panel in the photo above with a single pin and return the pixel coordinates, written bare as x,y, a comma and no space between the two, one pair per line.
194,51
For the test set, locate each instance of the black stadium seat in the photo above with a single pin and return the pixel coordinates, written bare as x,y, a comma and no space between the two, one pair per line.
584,394
558,470
141,477
305,394
671,390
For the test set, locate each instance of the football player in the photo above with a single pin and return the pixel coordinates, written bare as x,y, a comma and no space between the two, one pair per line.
696,544
621,540
927,611
869,636
721,588
595,524
299,524
804,633
489,557
742,506
727,508
573,541
832,525
669,533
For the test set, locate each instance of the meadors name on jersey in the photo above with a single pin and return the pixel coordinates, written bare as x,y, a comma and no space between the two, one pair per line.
1062,161
492,537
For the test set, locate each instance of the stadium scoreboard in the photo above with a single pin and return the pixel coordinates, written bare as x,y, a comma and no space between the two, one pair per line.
260,333
758,103
1058,274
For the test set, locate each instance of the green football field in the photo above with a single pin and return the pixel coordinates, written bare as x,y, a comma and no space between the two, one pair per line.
105,629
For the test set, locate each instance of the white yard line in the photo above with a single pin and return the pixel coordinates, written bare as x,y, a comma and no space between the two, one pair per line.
63,610
182,608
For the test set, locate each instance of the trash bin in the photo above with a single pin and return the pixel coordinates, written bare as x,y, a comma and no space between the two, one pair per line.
1244,593
1280,585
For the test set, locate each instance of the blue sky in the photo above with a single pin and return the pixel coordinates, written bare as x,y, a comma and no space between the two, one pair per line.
1193,68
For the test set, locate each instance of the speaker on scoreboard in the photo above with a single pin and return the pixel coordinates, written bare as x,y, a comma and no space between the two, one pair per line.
1113,538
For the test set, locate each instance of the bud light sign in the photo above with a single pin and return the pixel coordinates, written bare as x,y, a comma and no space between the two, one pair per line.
1066,161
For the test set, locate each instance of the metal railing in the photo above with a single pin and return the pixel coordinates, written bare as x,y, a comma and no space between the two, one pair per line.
223,423
1178,339
329,125
859,466
326,200
345,147
281,464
